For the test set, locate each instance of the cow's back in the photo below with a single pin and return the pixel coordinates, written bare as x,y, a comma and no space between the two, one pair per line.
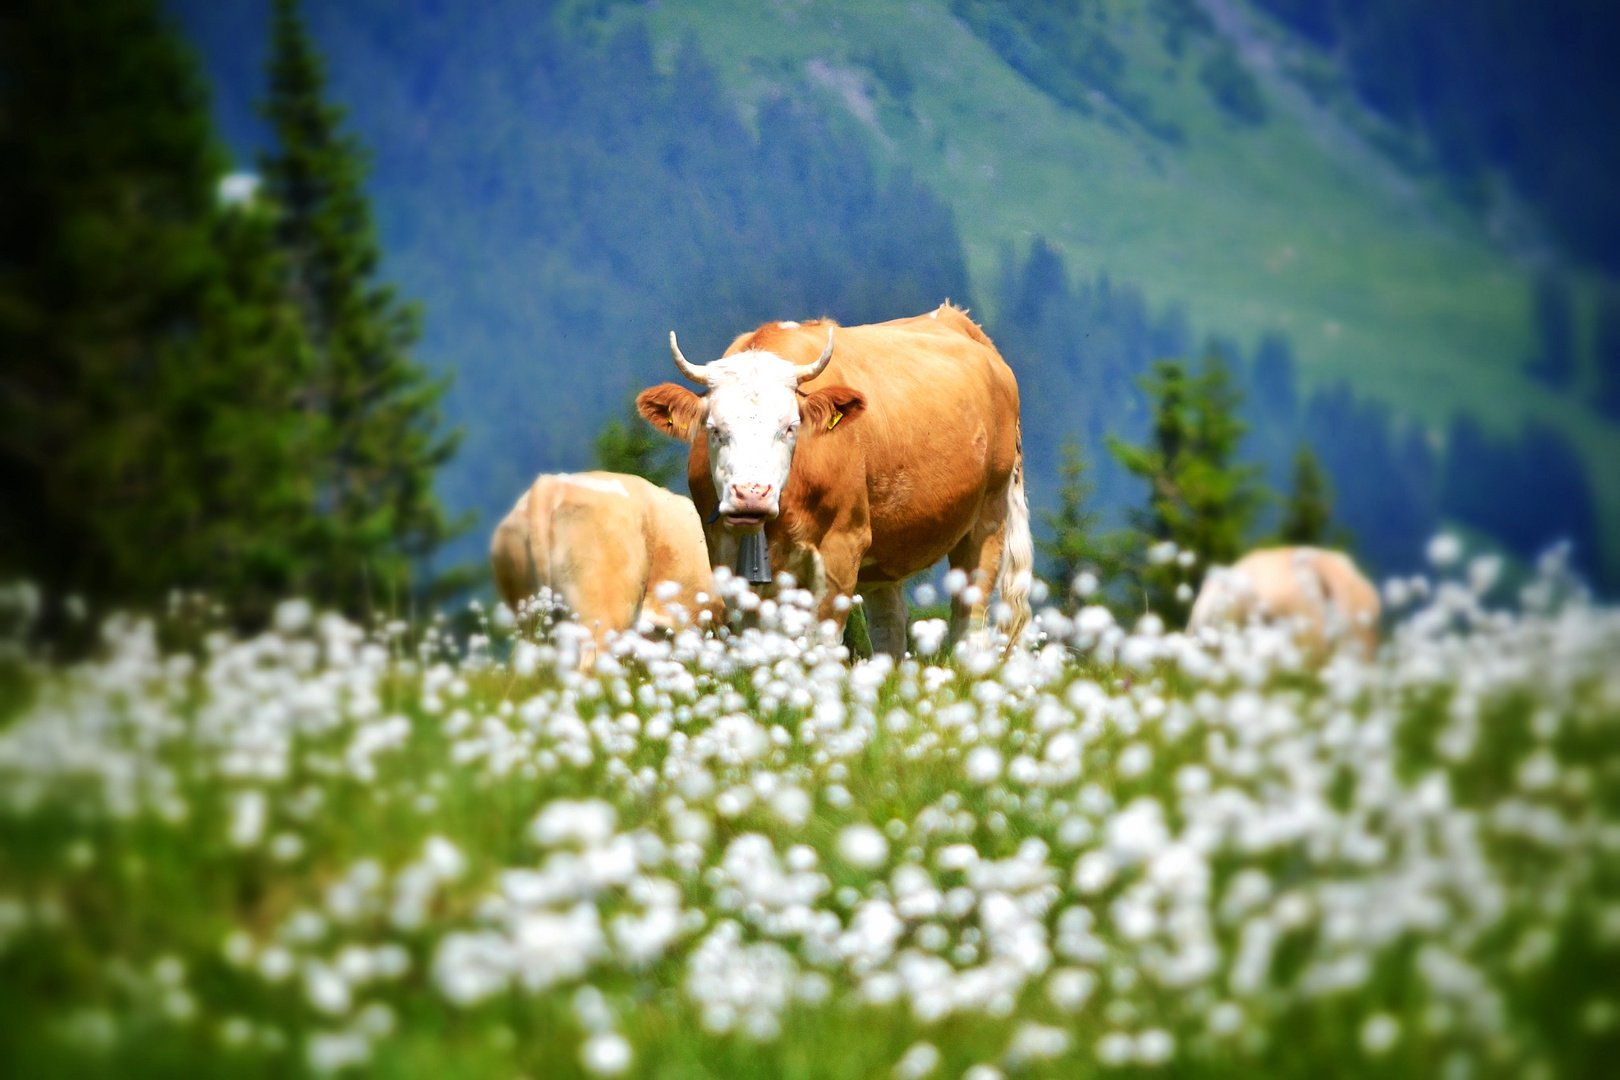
1319,592
603,542
587,540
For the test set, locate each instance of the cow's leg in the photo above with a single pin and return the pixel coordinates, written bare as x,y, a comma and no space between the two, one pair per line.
840,568
979,556
886,616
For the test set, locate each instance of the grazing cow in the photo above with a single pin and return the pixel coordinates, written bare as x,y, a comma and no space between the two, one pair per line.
1320,593
863,464
616,549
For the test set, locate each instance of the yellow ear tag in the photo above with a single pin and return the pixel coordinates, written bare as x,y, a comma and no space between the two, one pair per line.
837,416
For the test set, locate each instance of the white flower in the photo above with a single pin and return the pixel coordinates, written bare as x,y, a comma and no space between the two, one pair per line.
1225,1018
1483,572
1380,1032
863,846
1084,584
327,990
1094,872
1070,988
249,810
1135,760
606,1053
238,948
469,967
1444,550
1138,831
291,616
328,1052
285,847
1115,1048
1093,619
917,1062
588,823
929,635
983,764
1155,1046
791,806
1036,1042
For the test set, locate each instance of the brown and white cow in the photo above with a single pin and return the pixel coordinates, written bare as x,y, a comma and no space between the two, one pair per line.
1319,593
867,454
616,549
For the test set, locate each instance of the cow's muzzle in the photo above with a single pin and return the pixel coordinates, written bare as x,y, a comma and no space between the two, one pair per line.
749,506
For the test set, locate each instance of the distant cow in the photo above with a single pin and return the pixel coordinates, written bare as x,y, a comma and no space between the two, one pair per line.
1320,593
863,467
605,543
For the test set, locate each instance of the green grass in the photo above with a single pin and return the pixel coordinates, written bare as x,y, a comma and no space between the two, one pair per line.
1480,757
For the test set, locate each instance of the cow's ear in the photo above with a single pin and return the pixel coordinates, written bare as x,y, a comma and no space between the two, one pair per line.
830,407
672,409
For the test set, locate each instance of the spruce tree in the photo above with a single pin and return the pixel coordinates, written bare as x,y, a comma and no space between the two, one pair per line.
628,444
1310,503
1221,497
147,360
1074,544
1201,501
373,408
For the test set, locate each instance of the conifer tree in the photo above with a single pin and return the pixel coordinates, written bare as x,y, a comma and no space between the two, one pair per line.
1310,504
147,360
1075,545
1221,497
628,444
1201,502
373,408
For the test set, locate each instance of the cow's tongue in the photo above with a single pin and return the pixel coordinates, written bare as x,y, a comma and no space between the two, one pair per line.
754,558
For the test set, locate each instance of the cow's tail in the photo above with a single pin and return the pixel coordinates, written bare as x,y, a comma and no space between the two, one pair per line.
1017,553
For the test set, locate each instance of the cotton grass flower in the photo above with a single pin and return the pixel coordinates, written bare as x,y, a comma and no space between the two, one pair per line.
1379,1034
919,1060
863,847
606,1053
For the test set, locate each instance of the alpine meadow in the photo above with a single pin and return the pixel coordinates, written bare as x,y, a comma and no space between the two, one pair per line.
924,539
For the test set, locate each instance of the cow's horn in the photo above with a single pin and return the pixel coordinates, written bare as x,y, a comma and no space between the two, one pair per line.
691,371
806,372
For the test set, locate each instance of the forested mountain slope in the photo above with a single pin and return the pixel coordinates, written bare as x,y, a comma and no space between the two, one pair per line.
563,185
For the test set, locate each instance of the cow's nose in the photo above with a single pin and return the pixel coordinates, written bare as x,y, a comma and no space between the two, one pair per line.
751,493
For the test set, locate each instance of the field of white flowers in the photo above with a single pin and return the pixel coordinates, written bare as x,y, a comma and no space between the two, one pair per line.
399,852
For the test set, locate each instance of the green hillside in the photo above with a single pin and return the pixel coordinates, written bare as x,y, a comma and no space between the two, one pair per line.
1296,224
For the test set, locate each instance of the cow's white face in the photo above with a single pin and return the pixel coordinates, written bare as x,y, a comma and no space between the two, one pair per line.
752,422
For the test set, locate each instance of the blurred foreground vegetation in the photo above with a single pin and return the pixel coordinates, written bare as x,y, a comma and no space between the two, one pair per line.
407,852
